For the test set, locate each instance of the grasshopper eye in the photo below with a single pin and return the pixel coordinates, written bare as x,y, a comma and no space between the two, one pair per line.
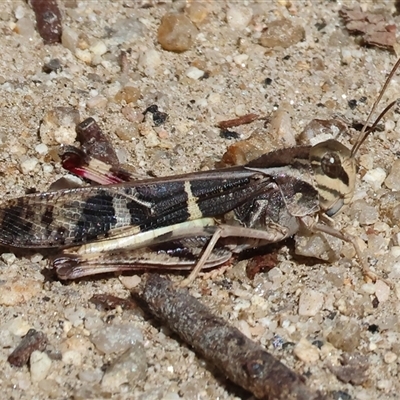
331,166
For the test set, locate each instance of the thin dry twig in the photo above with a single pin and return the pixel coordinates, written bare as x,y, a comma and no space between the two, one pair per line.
48,20
245,119
240,359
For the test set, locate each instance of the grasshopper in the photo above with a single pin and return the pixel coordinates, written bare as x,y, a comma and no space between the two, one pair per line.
104,228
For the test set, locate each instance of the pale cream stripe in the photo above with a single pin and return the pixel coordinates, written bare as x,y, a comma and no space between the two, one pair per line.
192,206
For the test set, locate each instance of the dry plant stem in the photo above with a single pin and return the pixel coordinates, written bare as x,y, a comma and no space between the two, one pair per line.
245,119
48,20
240,359
203,259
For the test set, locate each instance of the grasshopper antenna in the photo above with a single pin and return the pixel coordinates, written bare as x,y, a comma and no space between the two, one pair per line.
364,131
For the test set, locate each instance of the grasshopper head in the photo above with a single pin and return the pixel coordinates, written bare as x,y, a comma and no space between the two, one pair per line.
334,173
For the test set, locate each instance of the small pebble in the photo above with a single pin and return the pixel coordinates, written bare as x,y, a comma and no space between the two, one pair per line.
395,275
390,357
346,56
238,17
28,164
306,351
92,376
382,291
392,181
54,65
130,368
328,351
377,244
316,245
176,33
214,98
281,33
128,94
241,59
281,126
116,338
98,102
368,215
69,39
42,149
20,12
310,302
366,161
362,212
99,48
125,30
40,364
395,252
130,282
149,61
131,115
65,135
346,336
375,178
8,258
368,288
152,139
58,126
240,110
67,326
372,346
194,73
260,302
123,155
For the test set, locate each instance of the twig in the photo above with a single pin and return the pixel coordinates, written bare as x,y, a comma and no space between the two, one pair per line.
48,20
244,119
240,359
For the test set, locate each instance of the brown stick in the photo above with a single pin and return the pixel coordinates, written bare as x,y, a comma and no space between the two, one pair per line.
245,119
48,20
240,359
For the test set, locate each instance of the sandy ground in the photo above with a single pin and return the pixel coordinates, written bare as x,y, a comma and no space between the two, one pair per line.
314,78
